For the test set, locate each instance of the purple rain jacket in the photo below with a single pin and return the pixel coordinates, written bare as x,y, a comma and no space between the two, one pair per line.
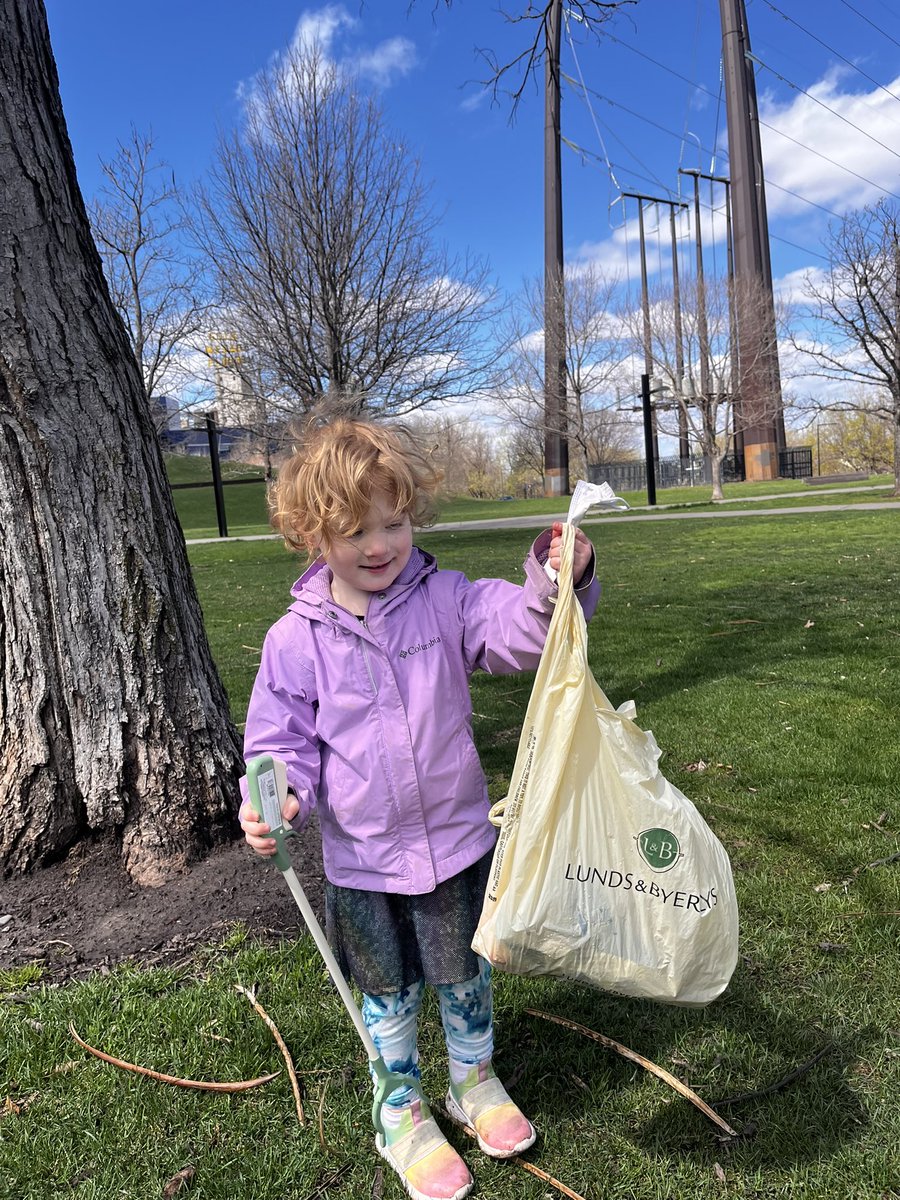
374,721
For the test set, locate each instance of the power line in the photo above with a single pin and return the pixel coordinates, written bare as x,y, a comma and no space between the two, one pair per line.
830,49
662,66
878,28
588,102
825,158
805,249
797,196
583,152
715,209
632,113
693,83
671,133
827,107
707,92
887,8
712,166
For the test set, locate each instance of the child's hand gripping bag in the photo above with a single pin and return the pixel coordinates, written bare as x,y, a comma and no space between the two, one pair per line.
604,872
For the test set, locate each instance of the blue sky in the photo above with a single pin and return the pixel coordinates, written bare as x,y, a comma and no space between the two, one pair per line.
828,77
179,67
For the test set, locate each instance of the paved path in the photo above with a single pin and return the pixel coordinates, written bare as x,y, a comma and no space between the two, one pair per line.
662,512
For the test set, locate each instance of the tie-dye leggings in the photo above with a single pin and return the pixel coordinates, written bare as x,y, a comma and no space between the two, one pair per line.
466,1015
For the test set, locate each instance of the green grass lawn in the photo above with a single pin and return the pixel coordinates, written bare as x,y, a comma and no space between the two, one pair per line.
246,514
764,655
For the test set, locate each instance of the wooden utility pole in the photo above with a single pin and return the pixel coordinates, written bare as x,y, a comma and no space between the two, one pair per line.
556,445
757,346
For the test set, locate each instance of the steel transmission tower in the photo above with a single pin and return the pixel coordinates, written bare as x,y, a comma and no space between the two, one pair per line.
757,347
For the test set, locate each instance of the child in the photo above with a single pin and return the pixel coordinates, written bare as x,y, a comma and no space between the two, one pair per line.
363,692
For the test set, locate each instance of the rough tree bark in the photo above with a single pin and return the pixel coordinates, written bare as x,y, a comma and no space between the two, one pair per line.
112,716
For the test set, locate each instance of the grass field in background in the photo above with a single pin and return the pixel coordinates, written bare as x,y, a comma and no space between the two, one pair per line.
246,515
764,656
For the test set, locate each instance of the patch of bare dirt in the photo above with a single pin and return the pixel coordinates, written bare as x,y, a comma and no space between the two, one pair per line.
84,914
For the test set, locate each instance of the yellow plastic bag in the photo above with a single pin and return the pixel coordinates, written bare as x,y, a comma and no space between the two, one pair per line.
604,872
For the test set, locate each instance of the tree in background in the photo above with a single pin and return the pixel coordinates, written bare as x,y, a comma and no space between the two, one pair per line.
113,719
465,451
696,377
857,439
595,429
318,234
853,320
138,227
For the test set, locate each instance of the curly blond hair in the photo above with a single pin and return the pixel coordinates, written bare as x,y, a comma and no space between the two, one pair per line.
324,490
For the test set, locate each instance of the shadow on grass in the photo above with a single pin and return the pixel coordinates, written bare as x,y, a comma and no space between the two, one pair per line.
737,1046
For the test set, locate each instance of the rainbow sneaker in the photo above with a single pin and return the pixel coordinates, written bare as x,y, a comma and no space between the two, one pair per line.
428,1166
482,1102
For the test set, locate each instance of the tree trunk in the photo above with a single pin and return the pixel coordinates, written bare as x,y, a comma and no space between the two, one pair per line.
112,716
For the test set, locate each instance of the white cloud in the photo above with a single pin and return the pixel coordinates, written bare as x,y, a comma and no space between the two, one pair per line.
326,30
387,61
382,63
837,163
475,100
793,288
319,29
621,253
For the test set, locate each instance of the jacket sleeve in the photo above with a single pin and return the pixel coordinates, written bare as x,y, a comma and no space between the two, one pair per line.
281,719
504,626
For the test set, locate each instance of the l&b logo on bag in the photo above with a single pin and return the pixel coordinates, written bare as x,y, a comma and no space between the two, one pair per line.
658,848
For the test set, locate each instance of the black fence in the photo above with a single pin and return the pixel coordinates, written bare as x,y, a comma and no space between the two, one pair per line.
795,463
670,472
207,440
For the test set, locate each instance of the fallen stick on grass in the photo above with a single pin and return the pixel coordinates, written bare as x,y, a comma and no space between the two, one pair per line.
527,1166
326,1183
560,1187
240,1085
880,862
633,1056
782,1083
286,1054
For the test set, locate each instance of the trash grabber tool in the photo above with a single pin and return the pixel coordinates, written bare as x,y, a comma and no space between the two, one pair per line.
267,785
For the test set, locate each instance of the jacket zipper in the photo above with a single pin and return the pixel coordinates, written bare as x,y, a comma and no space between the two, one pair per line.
365,650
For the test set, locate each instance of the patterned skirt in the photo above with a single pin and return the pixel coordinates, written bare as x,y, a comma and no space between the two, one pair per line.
384,942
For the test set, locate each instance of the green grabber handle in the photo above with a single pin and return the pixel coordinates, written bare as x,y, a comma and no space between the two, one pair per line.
267,787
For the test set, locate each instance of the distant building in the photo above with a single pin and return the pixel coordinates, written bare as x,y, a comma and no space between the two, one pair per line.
166,414
235,404
193,440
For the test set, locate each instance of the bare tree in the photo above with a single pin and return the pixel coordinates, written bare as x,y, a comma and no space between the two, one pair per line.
524,449
466,452
512,76
113,719
137,225
697,379
594,351
317,229
854,316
